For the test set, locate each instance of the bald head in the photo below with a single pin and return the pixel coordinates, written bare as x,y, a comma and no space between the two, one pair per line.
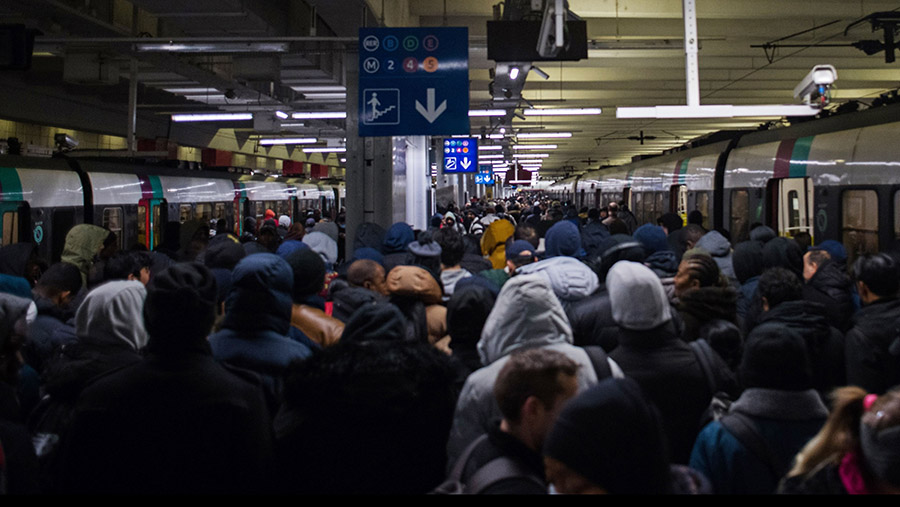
368,274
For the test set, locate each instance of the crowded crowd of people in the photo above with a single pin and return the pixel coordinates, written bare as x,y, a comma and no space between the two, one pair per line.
516,346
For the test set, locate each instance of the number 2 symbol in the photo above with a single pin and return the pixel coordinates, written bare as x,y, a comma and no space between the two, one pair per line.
390,64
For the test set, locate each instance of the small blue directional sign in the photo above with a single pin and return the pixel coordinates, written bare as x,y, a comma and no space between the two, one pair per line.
461,155
485,176
414,81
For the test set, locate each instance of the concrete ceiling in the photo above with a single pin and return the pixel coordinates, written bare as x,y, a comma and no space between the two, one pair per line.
638,60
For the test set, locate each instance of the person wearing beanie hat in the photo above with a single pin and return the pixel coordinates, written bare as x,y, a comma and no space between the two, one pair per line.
53,296
563,239
627,457
308,317
525,316
426,253
651,353
375,321
254,333
660,257
177,421
750,449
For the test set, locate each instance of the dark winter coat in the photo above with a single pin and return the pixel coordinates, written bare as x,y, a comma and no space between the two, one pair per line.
705,304
174,423
825,344
591,236
831,287
870,365
592,321
785,420
500,444
46,333
671,375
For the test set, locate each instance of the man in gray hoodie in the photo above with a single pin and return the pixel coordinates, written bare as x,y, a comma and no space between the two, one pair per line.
525,316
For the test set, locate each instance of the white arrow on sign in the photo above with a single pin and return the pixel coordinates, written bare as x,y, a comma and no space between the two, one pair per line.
465,163
431,113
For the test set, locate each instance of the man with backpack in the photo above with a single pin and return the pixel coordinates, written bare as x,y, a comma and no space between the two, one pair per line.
531,388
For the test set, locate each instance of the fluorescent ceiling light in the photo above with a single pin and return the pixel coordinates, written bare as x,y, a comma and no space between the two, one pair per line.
716,111
513,73
487,112
319,115
544,135
281,114
191,91
343,160
578,111
325,95
495,136
319,89
288,140
296,124
534,147
325,149
491,156
492,147
531,155
215,47
212,117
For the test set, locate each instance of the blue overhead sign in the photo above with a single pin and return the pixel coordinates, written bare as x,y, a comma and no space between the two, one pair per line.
484,179
461,155
413,81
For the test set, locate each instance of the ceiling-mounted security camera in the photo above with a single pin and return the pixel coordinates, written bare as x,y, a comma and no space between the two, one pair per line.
814,87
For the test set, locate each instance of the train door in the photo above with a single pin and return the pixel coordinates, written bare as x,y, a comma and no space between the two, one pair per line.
151,218
16,221
241,211
678,201
795,206
626,196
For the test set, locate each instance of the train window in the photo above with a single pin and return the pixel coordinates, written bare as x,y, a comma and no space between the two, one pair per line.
219,212
112,220
142,225
203,211
703,205
793,202
859,211
259,210
186,212
740,215
649,203
660,205
10,227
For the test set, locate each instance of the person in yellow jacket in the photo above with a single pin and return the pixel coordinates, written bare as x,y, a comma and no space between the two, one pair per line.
493,242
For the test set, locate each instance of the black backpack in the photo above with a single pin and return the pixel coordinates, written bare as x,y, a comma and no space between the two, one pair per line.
489,474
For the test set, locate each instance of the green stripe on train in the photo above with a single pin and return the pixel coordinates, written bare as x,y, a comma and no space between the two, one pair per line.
799,157
10,185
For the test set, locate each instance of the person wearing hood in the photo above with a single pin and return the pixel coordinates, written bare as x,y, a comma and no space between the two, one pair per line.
284,224
396,239
570,279
177,421
323,245
747,260
629,456
526,315
781,295
778,409
254,333
563,239
593,233
83,244
249,231
827,283
426,253
329,228
451,222
703,294
762,234
650,352
467,312
308,315
720,249
418,295
493,242
660,257
591,316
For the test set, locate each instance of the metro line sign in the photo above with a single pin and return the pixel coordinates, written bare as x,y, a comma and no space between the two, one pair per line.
413,81
460,155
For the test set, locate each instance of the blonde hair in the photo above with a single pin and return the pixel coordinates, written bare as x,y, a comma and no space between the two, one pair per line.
839,435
